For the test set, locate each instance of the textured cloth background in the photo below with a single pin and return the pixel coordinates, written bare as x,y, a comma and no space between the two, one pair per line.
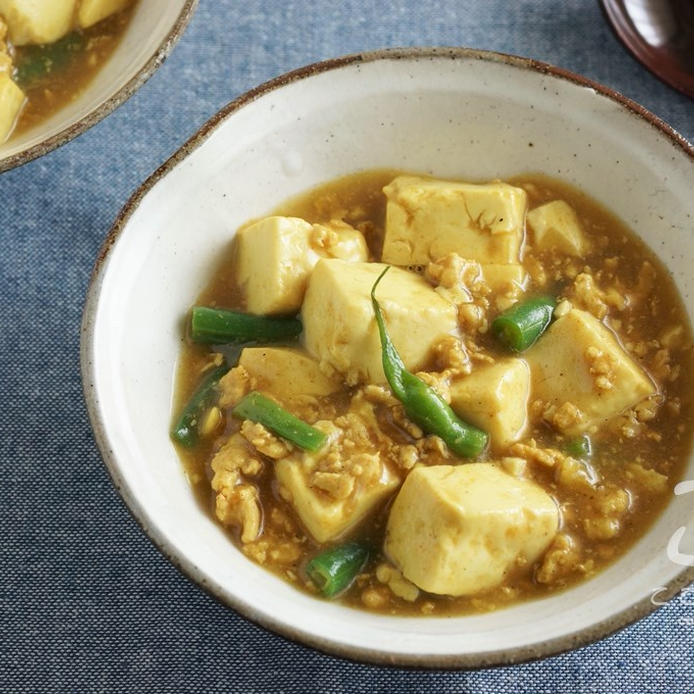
86,602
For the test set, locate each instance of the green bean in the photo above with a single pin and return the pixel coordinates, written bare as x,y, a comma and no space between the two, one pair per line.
422,404
258,408
185,428
333,571
580,447
520,326
37,63
220,326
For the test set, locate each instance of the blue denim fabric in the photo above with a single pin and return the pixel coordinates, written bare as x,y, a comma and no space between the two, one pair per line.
86,602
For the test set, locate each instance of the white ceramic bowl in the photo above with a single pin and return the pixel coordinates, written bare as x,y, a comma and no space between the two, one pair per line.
155,27
457,113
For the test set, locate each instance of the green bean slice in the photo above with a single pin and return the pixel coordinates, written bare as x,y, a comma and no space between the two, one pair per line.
333,571
422,404
185,428
36,64
258,408
580,447
520,326
221,326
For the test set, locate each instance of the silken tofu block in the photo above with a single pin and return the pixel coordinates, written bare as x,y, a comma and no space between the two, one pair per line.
11,102
93,11
495,398
460,530
579,361
339,324
286,372
426,219
273,262
275,256
555,225
37,21
326,517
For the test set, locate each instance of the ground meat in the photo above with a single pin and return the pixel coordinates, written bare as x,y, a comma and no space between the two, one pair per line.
398,584
375,597
433,451
378,395
452,355
612,500
235,456
405,423
529,451
584,294
601,367
648,480
476,354
338,485
240,505
456,279
672,337
662,368
408,456
560,560
264,442
237,502
462,283
233,386
646,281
627,425
647,410
601,528
567,417
576,475
472,318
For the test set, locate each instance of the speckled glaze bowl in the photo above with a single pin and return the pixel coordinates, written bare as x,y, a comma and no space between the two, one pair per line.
155,27
451,112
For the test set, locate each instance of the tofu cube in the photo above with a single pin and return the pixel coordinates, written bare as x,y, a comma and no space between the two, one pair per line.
93,11
339,324
275,256
426,219
579,361
495,399
37,21
285,372
330,516
555,225
273,262
11,102
460,530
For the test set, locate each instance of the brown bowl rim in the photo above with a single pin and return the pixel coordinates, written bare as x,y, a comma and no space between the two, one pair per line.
331,646
112,102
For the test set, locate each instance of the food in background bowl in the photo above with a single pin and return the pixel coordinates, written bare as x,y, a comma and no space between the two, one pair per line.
49,51
436,397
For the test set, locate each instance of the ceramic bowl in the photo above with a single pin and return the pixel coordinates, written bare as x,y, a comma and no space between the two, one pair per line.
155,27
458,113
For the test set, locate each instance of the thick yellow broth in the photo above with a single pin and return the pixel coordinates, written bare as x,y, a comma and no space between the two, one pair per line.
664,443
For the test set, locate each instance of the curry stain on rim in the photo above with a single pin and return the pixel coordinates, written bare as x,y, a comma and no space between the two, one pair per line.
516,655
112,102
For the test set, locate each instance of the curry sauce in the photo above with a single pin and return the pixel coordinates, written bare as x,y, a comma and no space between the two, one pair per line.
606,496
